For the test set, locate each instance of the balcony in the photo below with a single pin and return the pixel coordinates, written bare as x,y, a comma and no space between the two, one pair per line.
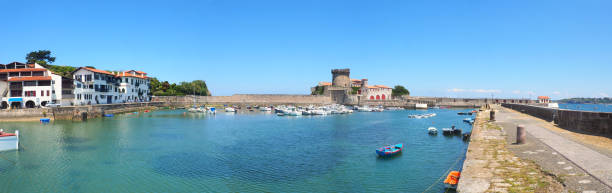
16,87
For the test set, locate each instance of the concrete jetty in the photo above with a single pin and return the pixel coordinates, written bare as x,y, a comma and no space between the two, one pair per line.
494,161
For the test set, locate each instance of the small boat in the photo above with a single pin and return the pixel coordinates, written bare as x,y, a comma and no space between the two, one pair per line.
280,114
464,113
230,109
390,150
432,130
452,179
109,115
45,120
9,141
295,113
265,109
451,131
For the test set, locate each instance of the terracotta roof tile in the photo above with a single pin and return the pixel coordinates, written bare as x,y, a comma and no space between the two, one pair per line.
98,71
28,78
543,97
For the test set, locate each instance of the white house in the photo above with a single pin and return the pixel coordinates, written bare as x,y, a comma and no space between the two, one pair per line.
31,85
134,86
93,86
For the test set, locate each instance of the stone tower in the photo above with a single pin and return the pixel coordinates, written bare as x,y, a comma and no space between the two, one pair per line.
341,77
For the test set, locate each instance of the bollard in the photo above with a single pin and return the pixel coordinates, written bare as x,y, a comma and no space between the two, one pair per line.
492,115
520,134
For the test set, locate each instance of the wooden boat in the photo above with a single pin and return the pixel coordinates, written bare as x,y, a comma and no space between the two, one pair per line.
9,141
452,179
390,150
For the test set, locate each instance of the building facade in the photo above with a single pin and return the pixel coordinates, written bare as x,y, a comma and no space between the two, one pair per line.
93,86
134,86
376,92
31,85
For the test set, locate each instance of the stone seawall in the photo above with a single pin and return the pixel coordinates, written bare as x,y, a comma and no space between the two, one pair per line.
594,123
76,113
24,114
244,99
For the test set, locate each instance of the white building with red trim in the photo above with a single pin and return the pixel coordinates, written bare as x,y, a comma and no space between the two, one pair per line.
134,86
31,85
376,92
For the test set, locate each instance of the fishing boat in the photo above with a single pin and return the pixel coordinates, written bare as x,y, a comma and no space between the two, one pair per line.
9,141
432,130
452,179
230,109
468,120
265,109
390,150
295,113
451,131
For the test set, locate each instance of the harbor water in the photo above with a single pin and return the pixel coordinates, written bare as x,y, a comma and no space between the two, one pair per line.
587,107
175,151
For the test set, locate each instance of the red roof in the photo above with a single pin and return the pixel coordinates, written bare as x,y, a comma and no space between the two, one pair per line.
23,70
543,97
131,75
28,78
98,71
381,86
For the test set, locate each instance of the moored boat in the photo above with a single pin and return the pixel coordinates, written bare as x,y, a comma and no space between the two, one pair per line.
432,130
9,141
390,150
230,109
452,179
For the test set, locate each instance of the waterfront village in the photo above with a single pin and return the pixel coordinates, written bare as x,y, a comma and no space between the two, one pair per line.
32,85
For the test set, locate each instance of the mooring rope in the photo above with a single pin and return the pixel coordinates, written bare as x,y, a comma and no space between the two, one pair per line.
13,162
449,169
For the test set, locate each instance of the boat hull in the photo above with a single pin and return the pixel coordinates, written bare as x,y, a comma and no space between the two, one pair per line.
8,143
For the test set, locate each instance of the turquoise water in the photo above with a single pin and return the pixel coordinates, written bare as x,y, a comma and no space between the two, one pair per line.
588,107
173,151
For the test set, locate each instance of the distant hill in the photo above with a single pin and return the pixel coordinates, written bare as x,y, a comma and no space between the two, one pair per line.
606,100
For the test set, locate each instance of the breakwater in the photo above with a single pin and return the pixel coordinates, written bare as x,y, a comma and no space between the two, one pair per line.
244,99
588,122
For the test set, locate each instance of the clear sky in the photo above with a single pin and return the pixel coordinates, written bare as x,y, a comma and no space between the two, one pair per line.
474,48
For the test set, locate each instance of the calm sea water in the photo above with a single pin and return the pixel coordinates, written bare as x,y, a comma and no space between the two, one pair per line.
173,151
588,107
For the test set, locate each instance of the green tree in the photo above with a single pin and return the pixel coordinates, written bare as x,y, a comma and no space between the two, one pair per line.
399,90
42,57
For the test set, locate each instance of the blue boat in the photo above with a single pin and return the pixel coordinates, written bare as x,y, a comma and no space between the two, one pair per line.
45,120
390,150
109,115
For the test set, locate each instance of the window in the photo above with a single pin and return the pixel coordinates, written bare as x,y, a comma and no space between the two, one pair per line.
29,83
42,93
48,93
44,83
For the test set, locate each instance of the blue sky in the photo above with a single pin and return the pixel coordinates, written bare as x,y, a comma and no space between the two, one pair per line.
434,48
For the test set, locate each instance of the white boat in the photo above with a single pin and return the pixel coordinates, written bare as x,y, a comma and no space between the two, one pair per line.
295,113
265,109
9,141
420,106
432,130
230,109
